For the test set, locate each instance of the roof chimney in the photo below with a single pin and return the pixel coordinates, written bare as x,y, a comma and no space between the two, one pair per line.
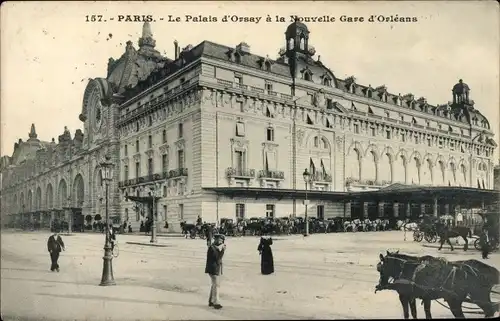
176,50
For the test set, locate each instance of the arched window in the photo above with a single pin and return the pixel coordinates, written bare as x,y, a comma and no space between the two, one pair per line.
326,81
307,76
237,58
324,143
291,43
316,141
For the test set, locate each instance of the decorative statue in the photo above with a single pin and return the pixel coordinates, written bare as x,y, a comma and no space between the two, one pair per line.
319,99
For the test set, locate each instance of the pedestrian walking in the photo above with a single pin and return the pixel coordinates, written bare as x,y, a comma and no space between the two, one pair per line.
55,245
213,268
266,255
485,243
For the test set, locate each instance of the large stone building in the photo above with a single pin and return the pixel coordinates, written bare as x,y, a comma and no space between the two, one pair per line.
214,128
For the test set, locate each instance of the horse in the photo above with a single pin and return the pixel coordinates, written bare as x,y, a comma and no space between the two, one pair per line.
430,278
187,228
446,233
349,225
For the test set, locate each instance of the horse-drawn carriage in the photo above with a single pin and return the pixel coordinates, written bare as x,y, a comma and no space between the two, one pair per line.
430,278
490,223
427,232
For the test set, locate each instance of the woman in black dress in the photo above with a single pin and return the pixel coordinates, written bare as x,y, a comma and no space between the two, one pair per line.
266,255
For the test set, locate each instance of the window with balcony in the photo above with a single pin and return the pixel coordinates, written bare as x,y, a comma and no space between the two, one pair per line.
239,161
270,161
240,211
164,162
125,150
356,128
180,130
270,134
125,172
150,141
180,159
269,87
137,169
137,148
240,129
150,166
164,136
270,210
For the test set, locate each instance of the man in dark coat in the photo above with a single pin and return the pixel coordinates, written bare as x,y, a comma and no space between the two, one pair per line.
266,255
55,245
213,268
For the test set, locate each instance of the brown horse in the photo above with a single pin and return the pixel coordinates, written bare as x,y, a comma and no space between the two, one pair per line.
445,233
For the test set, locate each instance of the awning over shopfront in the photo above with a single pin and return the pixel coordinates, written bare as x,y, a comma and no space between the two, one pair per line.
464,196
278,193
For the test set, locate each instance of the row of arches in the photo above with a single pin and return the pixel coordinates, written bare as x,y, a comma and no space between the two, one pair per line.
389,167
48,199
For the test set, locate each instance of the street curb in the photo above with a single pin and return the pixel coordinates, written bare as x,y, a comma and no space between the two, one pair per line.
148,244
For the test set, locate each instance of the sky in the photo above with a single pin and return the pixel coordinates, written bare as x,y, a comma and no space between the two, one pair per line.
49,51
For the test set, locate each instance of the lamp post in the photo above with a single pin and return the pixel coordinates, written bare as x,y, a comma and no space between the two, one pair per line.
153,226
107,268
307,180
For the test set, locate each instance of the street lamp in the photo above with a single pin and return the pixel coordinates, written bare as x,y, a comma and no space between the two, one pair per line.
307,180
107,269
153,226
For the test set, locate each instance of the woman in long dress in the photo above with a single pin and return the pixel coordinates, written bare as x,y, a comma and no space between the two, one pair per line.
266,255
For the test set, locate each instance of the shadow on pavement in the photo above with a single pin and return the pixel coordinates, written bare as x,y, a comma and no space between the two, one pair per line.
22,269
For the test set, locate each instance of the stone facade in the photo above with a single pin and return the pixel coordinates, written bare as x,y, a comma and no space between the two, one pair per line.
217,116
496,175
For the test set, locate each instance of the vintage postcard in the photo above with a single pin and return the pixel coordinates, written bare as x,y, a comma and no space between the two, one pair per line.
249,160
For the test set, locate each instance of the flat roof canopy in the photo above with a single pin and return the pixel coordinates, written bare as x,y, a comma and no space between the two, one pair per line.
142,199
464,196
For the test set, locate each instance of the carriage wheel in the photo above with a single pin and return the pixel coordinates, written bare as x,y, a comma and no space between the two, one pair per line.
477,245
418,236
431,238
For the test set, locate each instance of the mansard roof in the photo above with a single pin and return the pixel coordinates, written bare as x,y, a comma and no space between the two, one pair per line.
144,71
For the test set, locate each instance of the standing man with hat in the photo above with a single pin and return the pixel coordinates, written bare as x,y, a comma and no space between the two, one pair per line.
213,268
54,245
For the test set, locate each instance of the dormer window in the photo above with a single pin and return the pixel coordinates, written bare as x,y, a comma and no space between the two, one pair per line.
384,97
237,58
352,88
326,82
307,76
398,100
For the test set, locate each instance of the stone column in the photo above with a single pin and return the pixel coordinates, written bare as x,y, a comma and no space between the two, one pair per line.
422,209
347,209
365,210
381,206
447,209
69,218
52,218
408,210
395,208
435,207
